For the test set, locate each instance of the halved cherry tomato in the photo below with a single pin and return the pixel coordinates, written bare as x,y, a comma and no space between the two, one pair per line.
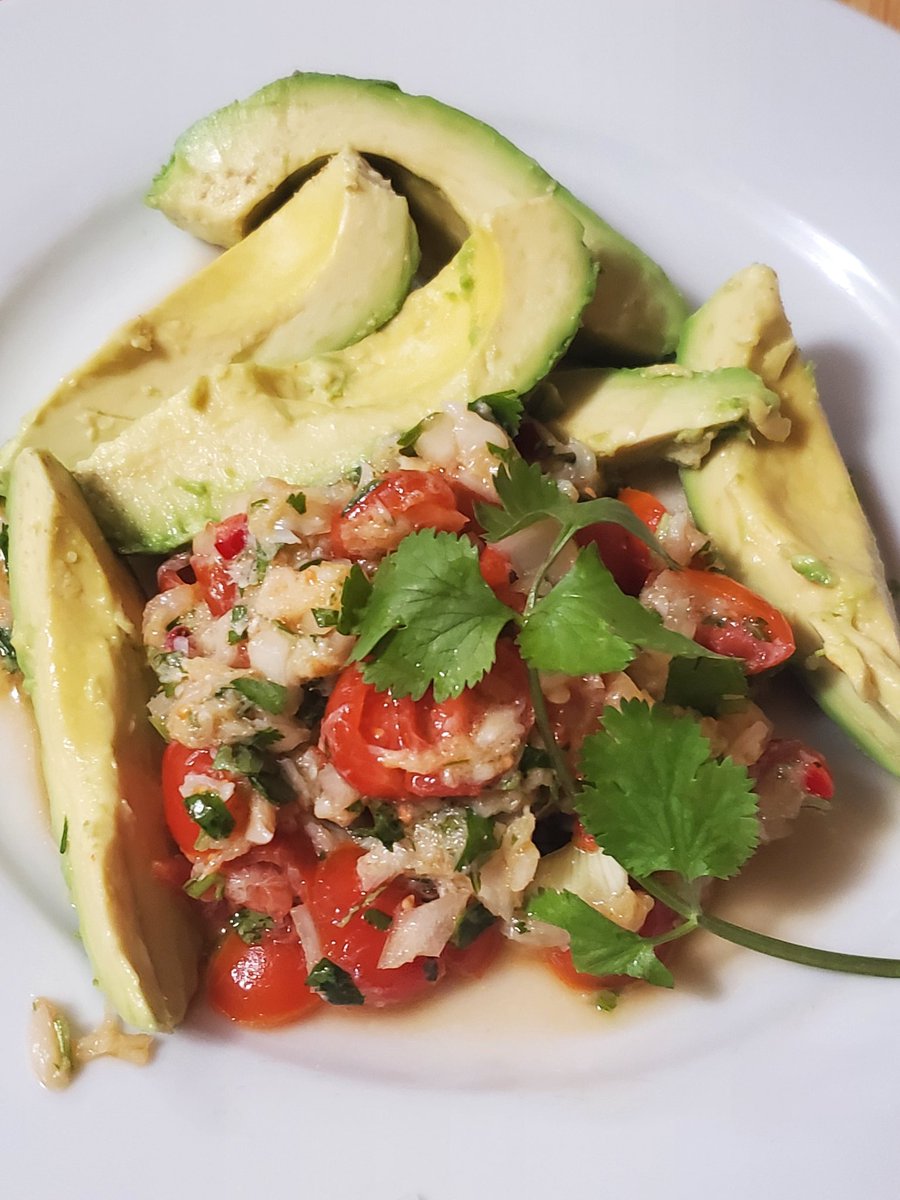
362,725
624,555
349,938
473,960
401,503
179,762
216,583
734,621
262,984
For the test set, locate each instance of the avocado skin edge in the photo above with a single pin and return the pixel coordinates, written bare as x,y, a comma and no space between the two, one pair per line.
636,314
77,632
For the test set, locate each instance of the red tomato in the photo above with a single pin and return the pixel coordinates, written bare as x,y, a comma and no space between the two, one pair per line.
472,961
496,571
659,920
624,555
401,503
361,724
262,985
734,621
353,943
216,584
178,762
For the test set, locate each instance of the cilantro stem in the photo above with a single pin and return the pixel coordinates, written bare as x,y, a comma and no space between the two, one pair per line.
680,931
762,943
809,956
564,776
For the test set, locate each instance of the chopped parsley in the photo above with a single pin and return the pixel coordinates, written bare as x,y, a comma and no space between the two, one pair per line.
297,501
250,925
270,697
208,810
334,984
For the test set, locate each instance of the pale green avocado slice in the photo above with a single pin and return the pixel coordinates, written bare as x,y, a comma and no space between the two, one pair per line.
226,168
280,295
495,319
664,411
77,634
786,520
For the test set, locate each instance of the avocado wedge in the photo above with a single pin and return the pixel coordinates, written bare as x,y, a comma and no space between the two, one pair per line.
495,319
227,168
280,295
787,522
77,633
664,411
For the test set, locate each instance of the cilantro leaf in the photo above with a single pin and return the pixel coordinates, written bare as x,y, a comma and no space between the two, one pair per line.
354,598
599,946
382,824
297,501
208,810
705,684
656,801
567,630
270,697
585,625
473,922
430,620
333,983
377,918
503,408
527,496
481,838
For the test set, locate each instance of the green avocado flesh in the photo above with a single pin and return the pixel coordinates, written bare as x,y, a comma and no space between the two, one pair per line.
495,319
278,296
229,165
658,412
786,520
77,633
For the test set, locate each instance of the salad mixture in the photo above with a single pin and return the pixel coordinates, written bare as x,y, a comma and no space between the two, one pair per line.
357,844
432,672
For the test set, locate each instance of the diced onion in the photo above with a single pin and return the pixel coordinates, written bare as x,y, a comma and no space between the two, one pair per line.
308,934
424,931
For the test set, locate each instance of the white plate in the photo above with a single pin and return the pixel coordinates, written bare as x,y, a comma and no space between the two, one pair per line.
715,134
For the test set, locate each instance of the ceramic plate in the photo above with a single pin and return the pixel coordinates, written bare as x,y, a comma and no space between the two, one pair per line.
714,134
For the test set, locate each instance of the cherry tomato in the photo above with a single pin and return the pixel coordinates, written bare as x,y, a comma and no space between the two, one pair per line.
473,960
660,919
734,621
262,984
624,555
362,725
179,762
349,939
496,571
401,503
216,583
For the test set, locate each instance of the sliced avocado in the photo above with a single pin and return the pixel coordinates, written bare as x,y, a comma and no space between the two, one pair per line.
77,633
279,295
495,319
661,412
786,520
228,167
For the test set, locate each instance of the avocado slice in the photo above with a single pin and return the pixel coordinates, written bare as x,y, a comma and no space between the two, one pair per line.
77,632
495,319
228,167
279,295
786,520
655,412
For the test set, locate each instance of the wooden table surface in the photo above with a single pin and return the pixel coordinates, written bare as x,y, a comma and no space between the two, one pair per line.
884,10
